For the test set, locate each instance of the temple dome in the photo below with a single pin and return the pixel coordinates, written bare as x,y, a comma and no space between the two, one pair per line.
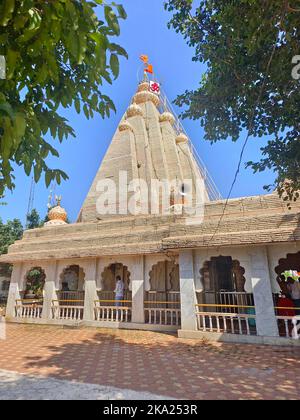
167,117
144,86
125,126
182,138
134,111
57,216
146,96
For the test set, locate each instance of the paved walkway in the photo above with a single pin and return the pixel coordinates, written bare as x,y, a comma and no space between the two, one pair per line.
146,362
16,386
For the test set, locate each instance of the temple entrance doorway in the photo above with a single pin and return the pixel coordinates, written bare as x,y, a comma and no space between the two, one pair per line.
162,301
34,283
164,283
109,282
70,297
72,284
224,283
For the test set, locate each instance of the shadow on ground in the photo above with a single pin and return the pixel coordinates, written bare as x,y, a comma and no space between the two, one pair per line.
162,364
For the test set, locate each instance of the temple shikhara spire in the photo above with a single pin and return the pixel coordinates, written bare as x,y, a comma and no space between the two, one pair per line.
156,247
149,145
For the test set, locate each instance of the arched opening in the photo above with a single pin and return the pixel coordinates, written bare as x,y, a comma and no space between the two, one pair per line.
5,275
34,283
30,306
285,303
70,297
223,282
71,283
162,301
72,279
290,262
109,277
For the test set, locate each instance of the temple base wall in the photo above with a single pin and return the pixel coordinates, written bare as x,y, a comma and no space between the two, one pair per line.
258,263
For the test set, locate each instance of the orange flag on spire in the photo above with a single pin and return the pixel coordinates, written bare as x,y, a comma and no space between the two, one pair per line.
149,69
144,59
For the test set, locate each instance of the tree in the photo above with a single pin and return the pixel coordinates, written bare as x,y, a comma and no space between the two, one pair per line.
58,54
248,47
9,233
33,220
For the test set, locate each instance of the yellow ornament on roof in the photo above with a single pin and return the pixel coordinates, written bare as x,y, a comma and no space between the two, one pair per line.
57,215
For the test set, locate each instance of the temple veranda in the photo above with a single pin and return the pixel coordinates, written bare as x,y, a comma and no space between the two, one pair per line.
180,276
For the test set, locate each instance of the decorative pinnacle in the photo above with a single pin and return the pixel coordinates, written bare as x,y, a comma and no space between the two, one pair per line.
58,199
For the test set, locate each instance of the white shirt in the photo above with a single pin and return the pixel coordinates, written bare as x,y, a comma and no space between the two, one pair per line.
119,288
294,290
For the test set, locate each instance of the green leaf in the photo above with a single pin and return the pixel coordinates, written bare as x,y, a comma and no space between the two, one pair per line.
7,9
20,124
112,20
12,57
48,178
114,64
86,111
118,49
77,105
122,12
37,172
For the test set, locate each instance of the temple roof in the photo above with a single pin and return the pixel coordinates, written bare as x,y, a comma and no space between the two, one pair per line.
247,221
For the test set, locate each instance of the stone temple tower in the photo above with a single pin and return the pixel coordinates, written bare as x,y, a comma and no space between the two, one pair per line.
148,145
178,269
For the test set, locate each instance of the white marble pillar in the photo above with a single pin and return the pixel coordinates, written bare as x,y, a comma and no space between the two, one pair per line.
90,289
187,291
137,281
49,292
266,323
14,290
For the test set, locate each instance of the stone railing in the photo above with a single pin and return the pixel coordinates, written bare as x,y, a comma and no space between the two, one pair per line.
234,300
155,299
163,316
28,309
107,313
67,310
70,296
289,327
220,321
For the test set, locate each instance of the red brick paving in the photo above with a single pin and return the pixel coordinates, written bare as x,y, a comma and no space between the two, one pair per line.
153,362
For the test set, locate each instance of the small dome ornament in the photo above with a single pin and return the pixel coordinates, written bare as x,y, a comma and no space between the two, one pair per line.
134,111
57,215
125,126
143,87
146,96
167,117
182,138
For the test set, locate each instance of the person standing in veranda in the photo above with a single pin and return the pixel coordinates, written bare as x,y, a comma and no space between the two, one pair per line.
119,291
294,291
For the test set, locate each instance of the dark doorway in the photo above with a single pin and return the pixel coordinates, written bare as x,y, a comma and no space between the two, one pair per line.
221,274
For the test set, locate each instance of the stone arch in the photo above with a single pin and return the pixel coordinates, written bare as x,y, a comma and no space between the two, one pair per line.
34,282
164,277
72,279
231,278
109,275
290,262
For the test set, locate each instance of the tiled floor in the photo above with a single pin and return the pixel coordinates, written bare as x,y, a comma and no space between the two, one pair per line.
153,362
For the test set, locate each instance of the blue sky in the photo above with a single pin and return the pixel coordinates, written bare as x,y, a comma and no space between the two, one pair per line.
144,32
